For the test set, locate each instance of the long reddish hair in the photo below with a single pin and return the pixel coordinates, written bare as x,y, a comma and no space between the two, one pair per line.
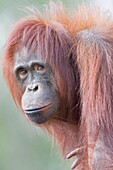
80,52
93,48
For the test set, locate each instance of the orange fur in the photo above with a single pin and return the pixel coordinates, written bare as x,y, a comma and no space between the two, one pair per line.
93,34
85,84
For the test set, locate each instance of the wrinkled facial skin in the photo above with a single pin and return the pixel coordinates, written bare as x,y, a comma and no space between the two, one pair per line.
40,100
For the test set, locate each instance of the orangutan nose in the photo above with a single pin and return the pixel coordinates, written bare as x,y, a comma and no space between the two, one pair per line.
33,87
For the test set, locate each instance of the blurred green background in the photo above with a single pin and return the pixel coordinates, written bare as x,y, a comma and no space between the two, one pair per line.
22,146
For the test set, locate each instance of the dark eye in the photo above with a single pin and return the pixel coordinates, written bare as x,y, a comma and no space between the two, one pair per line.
22,73
38,67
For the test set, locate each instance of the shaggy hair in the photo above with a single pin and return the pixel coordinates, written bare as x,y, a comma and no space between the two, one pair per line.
80,52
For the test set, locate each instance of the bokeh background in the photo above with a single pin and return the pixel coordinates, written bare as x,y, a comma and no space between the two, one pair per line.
23,146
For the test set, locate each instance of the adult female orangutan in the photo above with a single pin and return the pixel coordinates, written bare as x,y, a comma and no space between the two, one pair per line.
60,72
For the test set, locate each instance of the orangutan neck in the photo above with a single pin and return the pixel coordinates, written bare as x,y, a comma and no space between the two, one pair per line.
65,134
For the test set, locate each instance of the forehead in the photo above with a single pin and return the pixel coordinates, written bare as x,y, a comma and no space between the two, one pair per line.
26,56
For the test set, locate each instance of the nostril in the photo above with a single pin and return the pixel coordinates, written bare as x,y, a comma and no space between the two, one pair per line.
35,89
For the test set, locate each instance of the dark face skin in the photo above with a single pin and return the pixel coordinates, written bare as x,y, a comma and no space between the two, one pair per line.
40,100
